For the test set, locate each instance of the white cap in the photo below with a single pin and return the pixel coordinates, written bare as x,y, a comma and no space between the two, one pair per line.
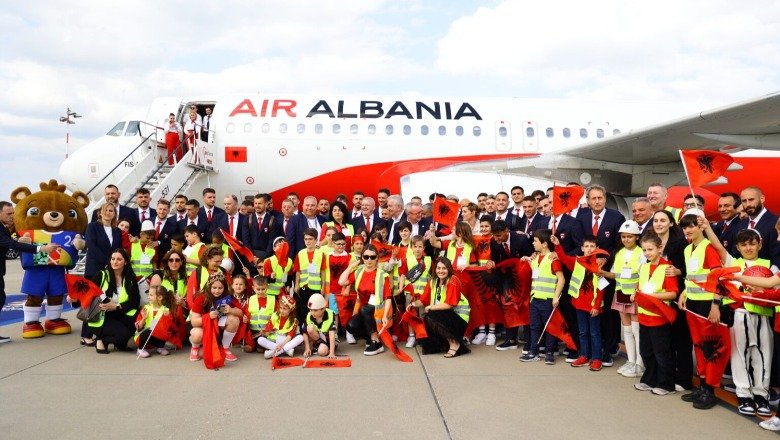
629,227
226,264
695,211
147,225
317,301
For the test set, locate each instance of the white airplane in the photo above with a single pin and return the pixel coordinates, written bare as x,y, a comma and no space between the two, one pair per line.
417,145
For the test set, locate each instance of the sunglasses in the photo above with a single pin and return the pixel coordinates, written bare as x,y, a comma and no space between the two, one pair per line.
369,257
340,243
174,260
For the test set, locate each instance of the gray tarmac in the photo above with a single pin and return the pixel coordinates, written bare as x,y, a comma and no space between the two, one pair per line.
54,388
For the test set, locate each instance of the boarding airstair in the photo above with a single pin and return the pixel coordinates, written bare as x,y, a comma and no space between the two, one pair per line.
151,170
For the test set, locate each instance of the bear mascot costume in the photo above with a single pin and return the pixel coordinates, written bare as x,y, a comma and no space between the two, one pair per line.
48,216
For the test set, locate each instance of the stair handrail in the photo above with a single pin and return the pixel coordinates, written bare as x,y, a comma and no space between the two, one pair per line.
121,162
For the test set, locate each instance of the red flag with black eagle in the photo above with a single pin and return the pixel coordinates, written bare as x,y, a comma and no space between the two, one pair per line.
557,327
415,323
445,211
705,166
237,246
653,304
213,352
482,247
498,295
712,346
566,198
164,329
82,289
384,251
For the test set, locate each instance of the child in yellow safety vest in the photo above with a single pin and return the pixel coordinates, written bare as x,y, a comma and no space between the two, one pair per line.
309,268
335,264
278,337
655,330
625,272
194,248
142,253
161,306
277,268
700,258
414,290
256,312
319,328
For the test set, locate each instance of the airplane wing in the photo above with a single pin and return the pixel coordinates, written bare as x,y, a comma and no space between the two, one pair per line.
748,124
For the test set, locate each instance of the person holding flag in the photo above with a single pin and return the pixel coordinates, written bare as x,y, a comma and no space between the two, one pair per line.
654,292
154,321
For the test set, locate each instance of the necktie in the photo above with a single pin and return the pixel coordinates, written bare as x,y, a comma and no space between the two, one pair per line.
725,228
181,217
518,212
506,249
192,222
232,232
554,221
752,224
285,227
595,225
157,230
208,215
143,216
527,225
260,223
368,225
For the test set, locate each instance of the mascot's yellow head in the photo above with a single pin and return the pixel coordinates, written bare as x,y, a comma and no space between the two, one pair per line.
50,209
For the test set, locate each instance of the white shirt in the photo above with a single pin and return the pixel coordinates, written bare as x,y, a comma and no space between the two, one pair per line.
557,221
143,214
235,223
190,125
501,216
110,234
757,218
173,128
593,218
205,122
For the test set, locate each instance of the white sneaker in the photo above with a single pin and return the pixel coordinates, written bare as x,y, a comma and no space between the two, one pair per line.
163,351
491,339
772,424
143,353
410,341
268,354
625,367
679,388
640,369
479,339
630,372
290,352
351,339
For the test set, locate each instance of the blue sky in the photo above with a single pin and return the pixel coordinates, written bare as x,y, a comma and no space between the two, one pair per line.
107,59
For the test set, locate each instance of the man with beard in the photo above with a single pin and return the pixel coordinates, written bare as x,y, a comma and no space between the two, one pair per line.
762,220
111,194
726,228
180,207
657,194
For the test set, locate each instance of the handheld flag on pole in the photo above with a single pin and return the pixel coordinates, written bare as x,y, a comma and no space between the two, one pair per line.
237,246
566,198
445,211
704,166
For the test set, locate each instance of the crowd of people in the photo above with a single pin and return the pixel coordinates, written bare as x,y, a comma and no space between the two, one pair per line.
317,272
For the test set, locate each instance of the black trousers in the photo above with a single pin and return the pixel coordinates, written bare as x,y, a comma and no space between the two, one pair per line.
116,330
655,346
302,302
146,339
362,324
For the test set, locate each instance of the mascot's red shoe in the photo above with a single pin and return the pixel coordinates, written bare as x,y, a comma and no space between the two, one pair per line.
32,330
57,326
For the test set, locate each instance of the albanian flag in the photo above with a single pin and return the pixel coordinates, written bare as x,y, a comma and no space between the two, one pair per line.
213,352
653,304
566,198
712,345
163,328
590,262
81,289
277,363
341,362
704,166
237,246
384,251
415,323
482,245
445,211
498,295
557,327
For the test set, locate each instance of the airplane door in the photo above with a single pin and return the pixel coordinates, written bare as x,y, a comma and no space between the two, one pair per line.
503,136
530,136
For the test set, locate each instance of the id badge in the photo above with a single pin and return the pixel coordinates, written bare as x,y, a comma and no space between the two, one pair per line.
145,259
602,283
625,273
461,262
693,265
535,274
648,288
312,269
284,278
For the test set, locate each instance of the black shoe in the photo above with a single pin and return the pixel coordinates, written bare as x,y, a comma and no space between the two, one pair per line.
706,400
376,347
4,339
692,396
746,406
774,397
549,359
103,350
507,345
762,407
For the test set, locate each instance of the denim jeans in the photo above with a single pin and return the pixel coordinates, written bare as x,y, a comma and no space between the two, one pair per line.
590,335
541,309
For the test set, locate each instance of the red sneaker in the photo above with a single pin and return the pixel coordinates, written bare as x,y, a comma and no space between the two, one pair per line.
195,354
229,356
56,326
580,362
32,330
595,365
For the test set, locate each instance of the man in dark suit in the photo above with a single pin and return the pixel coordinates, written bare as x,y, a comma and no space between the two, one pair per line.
568,231
7,243
414,215
194,218
164,228
532,219
261,228
642,214
395,205
604,223
726,229
369,218
111,195
307,218
763,221
210,211
142,213
503,213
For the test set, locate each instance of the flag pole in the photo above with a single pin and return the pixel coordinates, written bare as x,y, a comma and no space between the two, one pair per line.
545,326
235,252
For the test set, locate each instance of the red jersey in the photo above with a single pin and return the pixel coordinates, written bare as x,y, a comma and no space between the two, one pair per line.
366,287
670,285
452,293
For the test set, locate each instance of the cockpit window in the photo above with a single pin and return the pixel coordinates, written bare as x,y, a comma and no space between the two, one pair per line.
117,130
132,128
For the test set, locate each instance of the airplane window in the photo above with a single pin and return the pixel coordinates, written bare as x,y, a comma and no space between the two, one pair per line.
389,129
599,133
459,130
336,128
566,133
407,130
616,132
502,131
301,128
265,128
247,128
133,127
549,132
477,130
529,131
353,129
424,129
117,130
583,133
230,127
371,129
442,130
283,128
318,128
